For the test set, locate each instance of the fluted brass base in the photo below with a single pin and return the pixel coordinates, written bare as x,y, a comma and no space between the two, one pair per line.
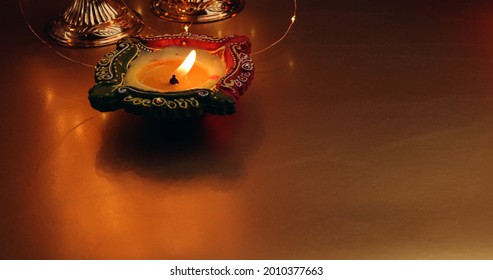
94,23
196,11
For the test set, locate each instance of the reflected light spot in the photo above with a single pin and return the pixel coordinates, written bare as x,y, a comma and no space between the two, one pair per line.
253,32
49,96
79,131
291,64
66,123
76,125
61,124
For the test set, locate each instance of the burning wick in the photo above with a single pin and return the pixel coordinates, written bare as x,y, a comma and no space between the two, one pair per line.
173,80
182,71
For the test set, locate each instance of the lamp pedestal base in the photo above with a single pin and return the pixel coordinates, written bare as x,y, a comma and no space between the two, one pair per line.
196,11
94,23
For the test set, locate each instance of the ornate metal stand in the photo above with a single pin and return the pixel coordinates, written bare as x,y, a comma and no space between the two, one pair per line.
93,23
196,11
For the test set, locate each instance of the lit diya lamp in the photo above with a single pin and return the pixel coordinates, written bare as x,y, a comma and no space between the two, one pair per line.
172,76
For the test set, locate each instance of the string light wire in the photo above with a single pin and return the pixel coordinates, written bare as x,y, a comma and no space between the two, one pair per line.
185,27
293,19
45,42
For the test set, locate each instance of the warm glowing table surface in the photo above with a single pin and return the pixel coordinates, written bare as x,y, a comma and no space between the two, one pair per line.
366,134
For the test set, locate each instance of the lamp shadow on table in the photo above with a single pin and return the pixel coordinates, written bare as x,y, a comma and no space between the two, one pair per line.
181,149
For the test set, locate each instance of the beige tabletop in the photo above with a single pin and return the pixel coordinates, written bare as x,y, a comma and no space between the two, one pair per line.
367,133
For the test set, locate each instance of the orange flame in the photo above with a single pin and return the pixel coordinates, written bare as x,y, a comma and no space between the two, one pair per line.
186,65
